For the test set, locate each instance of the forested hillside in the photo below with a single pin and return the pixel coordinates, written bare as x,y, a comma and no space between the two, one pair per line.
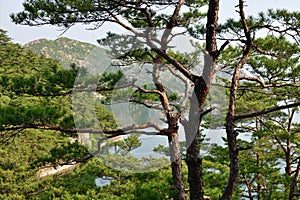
47,108
34,94
67,51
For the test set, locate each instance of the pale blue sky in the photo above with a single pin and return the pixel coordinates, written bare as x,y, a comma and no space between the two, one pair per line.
24,34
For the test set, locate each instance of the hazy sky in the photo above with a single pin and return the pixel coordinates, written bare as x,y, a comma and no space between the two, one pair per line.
24,34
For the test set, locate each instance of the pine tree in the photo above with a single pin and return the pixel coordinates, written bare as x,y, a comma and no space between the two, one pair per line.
246,49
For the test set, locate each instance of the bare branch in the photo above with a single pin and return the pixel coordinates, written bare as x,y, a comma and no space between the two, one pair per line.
256,79
148,91
147,104
222,47
172,21
207,111
174,62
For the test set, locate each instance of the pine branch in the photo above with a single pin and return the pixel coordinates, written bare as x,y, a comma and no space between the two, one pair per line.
266,111
230,129
124,130
149,91
263,85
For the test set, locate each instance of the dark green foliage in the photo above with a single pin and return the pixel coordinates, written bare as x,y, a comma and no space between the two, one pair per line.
270,78
18,180
106,119
33,111
65,13
111,79
23,72
27,150
130,143
30,89
64,154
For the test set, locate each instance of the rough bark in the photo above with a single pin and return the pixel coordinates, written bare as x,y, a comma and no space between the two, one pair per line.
176,164
288,159
193,158
172,131
230,127
294,183
201,89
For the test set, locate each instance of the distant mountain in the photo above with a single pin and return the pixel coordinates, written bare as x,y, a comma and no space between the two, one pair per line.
94,58
69,51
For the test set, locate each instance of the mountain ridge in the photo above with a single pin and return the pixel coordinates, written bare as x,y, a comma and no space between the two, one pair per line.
68,51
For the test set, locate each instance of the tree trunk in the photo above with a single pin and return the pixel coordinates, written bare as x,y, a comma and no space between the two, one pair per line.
193,159
172,120
230,131
176,164
201,89
195,177
233,155
288,159
295,181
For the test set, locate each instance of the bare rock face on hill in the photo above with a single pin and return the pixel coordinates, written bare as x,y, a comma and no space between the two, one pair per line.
68,51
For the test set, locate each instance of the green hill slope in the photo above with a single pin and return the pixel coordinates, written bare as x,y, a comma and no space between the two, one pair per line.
68,51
